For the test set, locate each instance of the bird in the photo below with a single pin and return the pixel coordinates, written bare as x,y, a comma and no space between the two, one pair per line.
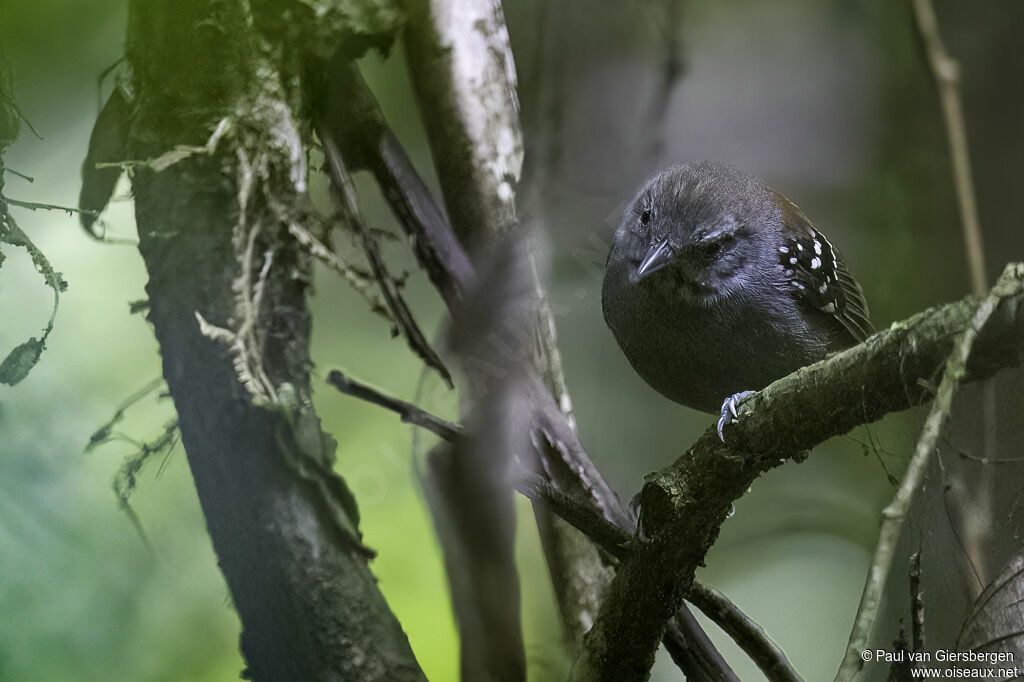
716,285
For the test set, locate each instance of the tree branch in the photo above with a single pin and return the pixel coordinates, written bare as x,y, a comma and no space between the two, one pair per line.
750,636
403,317
464,76
227,289
946,72
955,372
410,414
465,81
352,118
684,505
691,649
351,114
616,537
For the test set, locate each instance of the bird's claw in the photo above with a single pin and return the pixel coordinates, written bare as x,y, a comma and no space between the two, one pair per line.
729,413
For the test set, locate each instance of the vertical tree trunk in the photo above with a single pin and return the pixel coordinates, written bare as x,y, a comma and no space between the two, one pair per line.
227,286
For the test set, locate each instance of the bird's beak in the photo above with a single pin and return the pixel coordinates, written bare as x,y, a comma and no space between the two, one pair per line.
657,257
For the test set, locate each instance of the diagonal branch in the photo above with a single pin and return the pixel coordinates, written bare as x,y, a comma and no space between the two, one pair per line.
464,75
389,288
894,514
750,637
684,505
410,414
349,114
353,118
946,72
603,520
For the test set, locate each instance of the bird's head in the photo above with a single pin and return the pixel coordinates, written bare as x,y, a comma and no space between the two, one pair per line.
696,228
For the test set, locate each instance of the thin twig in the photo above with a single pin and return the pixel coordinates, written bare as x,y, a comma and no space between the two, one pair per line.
403,317
351,114
582,516
24,118
895,511
692,649
410,414
946,72
960,535
750,636
21,175
105,432
33,206
361,282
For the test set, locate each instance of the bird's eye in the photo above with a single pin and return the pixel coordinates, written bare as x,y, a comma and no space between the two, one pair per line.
711,249
645,217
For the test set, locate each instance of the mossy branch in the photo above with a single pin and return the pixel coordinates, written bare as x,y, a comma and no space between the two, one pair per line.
684,505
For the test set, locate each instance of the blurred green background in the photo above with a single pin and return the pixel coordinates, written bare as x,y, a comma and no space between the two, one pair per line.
829,101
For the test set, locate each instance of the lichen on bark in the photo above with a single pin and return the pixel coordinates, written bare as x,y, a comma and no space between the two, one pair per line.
227,286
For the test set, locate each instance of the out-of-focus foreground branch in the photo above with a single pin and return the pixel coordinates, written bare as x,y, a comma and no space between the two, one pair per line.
465,80
351,121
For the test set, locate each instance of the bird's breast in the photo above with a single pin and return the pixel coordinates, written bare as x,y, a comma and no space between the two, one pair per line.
699,355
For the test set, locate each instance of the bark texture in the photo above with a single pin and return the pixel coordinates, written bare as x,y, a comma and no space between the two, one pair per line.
218,201
465,80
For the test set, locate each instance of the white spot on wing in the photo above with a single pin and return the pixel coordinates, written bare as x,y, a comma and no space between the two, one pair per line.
815,263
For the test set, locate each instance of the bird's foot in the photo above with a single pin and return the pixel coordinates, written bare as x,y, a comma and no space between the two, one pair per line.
729,411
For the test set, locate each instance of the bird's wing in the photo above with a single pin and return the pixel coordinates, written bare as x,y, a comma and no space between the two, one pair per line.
818,274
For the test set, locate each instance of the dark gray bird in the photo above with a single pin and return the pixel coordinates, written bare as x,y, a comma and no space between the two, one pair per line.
717,284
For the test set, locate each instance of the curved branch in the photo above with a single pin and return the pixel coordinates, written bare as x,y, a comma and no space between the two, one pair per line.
613,530
684,505
750,636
